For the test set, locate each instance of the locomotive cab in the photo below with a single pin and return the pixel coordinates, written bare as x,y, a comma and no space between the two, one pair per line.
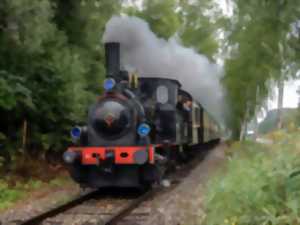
159,97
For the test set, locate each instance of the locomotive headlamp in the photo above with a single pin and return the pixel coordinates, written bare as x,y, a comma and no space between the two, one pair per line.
70,157
109,84
143,129
76,133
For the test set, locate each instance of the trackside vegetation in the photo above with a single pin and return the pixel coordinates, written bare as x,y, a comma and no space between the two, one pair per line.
11,194
260,185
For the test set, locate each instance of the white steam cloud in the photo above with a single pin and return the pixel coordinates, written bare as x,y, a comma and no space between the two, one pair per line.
150,56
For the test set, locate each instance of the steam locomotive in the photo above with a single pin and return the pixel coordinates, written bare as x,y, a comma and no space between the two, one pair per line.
135,129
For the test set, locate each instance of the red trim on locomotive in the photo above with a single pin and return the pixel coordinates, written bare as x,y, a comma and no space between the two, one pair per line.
122,155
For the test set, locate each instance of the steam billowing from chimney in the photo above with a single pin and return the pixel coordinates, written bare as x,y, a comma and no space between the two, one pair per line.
150,56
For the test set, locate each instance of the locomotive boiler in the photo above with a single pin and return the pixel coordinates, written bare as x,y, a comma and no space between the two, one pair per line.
135,129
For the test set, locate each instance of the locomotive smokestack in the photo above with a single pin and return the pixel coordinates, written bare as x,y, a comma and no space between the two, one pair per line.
112,58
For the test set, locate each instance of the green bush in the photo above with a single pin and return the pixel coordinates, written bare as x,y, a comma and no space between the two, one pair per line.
8,195
261,186
51,69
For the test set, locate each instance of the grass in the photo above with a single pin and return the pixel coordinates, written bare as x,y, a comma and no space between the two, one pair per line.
8,195
11,194
27,175
261,184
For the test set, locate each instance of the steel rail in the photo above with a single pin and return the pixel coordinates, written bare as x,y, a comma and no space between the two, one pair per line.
38,219
125,211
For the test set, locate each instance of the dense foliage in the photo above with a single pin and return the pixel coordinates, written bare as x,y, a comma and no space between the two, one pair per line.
269,124
195,23
261,44
51,67
261,184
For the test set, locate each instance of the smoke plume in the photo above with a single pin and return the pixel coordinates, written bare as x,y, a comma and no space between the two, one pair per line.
150,56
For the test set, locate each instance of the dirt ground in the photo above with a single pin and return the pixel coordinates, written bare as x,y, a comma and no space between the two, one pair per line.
180,206
183,205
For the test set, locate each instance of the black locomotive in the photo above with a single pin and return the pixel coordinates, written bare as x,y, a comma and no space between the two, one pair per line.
135,129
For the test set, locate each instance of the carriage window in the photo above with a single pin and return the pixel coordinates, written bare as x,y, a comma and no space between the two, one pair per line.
162,94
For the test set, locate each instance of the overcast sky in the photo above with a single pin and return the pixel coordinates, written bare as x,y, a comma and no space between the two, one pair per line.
290,97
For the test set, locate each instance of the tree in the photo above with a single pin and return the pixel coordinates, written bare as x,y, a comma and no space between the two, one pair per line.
200,21
298,109
280,103
162,16
259,49
84,23
188,20
49,61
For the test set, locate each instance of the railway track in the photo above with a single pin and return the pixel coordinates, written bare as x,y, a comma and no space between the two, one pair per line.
93,208
101,208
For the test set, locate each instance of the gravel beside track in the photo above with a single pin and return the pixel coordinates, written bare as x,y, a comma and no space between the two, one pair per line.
181,204
161,206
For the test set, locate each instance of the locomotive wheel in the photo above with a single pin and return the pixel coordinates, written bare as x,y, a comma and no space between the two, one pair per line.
183,155
77,173
151,175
